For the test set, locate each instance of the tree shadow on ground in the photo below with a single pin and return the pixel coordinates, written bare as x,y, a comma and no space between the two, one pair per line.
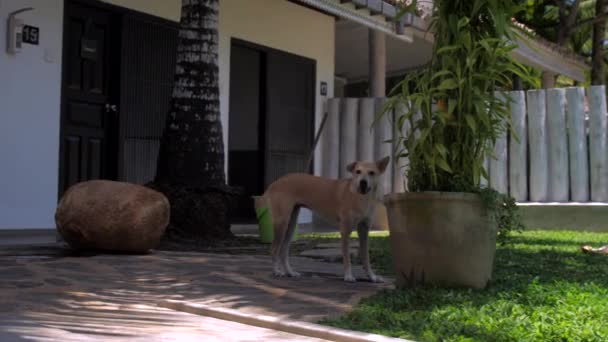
112,295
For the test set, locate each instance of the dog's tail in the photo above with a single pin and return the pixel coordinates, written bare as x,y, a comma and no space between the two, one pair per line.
261,206
260,202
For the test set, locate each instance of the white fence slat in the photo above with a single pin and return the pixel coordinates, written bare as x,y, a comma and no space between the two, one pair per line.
383,132
498,163
577,143
598,158
537,137
365,146
518,147
349,118
557,145
553,153
484,182
400,165
330,141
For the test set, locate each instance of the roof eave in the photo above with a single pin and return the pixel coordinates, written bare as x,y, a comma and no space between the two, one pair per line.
534,53
382,20
529,51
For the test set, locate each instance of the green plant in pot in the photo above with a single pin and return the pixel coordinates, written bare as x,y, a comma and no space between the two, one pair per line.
444,230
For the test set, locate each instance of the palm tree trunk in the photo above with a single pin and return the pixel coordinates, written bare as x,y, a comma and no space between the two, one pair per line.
599,33
190,168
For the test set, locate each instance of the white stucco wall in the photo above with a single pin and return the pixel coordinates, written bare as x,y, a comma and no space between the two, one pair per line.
281,25
30,92
168,9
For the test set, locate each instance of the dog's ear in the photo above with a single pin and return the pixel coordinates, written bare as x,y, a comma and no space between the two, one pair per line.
382,164
351,167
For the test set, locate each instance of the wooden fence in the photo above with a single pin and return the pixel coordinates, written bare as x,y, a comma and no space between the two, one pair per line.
561,154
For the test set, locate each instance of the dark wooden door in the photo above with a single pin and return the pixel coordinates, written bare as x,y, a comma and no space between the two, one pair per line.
89,110
245,157
290,111
147,72
271,119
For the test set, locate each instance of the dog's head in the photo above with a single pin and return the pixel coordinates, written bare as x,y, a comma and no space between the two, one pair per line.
366,174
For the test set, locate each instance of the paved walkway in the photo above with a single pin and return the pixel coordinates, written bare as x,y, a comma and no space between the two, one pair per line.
51,296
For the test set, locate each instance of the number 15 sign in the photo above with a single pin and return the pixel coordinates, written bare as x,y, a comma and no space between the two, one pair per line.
31,35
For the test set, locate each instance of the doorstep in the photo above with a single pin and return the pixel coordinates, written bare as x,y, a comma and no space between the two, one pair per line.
20,237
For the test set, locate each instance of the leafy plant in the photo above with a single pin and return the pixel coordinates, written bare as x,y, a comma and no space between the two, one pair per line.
451,106
503,210
455,108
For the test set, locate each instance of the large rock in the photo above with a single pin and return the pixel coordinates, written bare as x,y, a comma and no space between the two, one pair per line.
112,216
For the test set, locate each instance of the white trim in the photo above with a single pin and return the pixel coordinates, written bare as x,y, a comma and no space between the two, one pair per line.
362,17
529,51
534,53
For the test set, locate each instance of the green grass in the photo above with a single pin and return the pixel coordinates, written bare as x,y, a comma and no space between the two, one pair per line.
544,289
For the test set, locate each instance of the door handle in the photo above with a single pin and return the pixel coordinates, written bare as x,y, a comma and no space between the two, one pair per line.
110,108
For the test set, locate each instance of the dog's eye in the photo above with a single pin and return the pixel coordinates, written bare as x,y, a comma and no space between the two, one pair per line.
371,173
358,172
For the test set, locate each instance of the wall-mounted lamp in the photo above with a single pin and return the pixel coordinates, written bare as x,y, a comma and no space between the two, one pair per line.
15,31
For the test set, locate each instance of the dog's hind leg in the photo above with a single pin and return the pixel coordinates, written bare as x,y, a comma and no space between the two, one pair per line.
363,232
280,222
277,245
291,227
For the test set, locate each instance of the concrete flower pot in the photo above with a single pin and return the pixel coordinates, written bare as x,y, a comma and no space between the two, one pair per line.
441,238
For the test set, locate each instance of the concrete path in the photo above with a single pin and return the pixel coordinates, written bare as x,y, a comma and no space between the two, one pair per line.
54,297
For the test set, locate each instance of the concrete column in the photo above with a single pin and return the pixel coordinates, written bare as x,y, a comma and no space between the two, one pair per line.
537,135
558,145
598,140
377,64
518,161
349,118
577,142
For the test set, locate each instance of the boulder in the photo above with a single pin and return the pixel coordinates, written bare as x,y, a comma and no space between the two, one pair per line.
112,216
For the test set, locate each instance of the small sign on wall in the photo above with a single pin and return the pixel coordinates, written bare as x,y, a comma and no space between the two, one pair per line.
323,88
31,35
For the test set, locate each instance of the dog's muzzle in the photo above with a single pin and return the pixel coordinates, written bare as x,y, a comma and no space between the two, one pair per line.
363,188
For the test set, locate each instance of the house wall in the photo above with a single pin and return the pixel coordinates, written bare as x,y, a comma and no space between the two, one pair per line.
168,9
281,25
30,100
30,92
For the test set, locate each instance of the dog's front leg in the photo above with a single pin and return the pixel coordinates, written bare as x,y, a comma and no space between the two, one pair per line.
363,231
345,235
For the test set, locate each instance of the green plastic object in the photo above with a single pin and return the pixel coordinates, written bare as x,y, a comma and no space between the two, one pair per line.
265,225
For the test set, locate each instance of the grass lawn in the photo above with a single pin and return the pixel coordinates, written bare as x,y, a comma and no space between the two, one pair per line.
544,289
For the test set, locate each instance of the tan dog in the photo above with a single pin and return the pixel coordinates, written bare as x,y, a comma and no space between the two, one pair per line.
347,202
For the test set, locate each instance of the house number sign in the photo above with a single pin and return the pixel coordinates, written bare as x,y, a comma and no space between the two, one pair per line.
31,35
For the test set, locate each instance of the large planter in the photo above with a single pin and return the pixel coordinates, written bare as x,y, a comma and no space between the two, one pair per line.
441,238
